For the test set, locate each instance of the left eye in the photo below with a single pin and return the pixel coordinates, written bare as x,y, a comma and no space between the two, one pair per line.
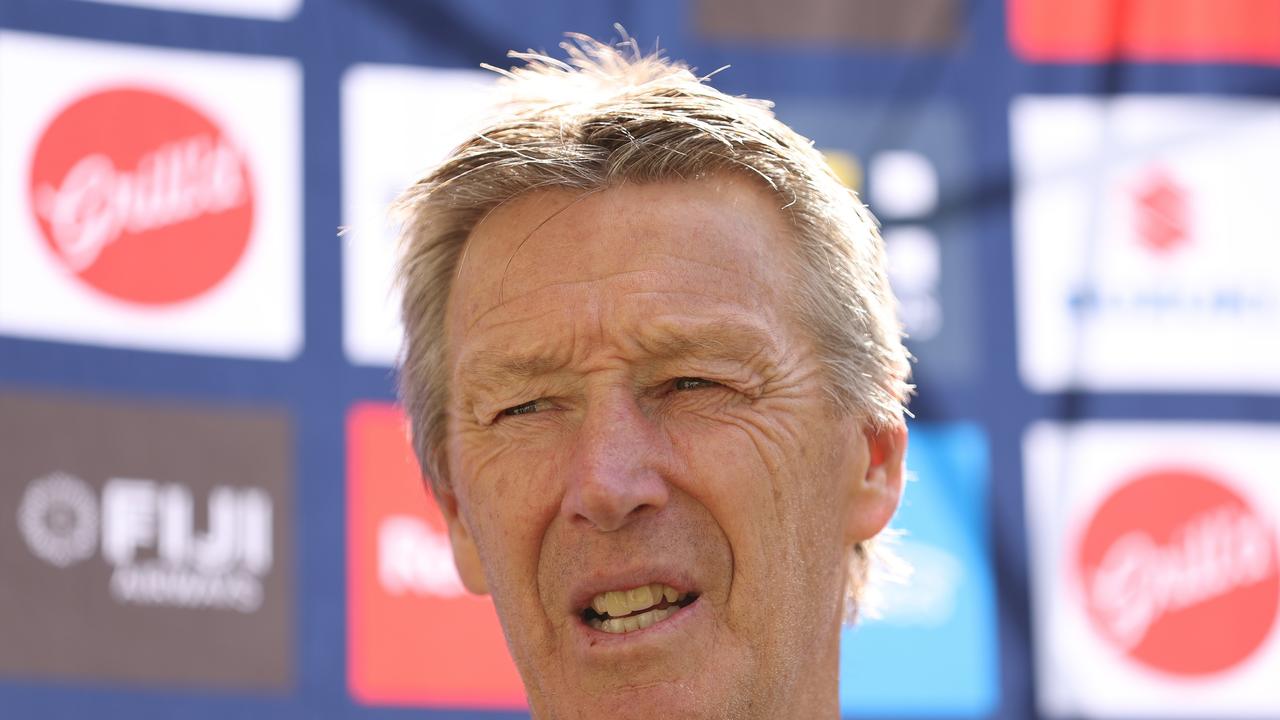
692,383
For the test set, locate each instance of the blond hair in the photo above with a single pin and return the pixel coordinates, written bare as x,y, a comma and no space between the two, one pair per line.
608,115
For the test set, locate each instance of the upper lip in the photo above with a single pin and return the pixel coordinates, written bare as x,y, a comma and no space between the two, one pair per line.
585,590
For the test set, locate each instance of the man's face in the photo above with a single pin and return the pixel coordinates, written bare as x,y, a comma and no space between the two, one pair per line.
633,406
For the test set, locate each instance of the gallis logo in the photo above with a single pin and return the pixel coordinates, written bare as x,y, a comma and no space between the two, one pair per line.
1180,573
142,196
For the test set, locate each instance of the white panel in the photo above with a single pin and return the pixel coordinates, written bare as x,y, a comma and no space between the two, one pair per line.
265,9
1145,243
1071,471
254,311
397,122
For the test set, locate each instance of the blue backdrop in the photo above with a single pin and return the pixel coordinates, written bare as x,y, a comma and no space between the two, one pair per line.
965,649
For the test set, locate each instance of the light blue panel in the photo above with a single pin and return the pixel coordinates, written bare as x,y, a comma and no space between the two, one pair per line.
934,649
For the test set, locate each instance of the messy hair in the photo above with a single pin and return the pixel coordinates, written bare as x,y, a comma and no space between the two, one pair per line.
610,114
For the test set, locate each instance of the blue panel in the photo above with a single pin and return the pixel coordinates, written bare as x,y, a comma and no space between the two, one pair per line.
933,649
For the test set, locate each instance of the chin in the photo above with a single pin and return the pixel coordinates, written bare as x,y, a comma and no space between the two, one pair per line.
666,699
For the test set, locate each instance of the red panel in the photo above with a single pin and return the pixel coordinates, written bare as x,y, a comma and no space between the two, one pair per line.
414,637
1235,31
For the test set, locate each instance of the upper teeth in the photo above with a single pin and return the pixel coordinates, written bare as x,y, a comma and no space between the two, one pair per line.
616,603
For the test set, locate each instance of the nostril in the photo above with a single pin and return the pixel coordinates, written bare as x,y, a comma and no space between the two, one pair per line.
610,503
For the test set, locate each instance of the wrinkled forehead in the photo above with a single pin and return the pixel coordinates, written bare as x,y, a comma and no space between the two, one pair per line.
723,236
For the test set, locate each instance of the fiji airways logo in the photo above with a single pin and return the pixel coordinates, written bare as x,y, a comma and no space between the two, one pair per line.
142,196
147,533
1180,573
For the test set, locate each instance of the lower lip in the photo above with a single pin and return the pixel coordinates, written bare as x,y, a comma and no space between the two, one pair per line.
595,640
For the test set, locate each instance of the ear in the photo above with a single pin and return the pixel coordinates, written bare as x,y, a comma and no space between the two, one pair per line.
876,491
465,556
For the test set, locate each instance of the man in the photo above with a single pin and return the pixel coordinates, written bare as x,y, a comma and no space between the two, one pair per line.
654,375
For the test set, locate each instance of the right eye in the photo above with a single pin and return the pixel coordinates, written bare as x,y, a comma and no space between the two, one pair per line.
692,383
521,409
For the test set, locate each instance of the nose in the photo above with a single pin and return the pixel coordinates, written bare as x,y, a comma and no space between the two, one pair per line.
616,472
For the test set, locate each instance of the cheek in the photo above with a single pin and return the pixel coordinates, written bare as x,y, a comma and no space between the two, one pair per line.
505,475
510,497
740,466
764,433
772,478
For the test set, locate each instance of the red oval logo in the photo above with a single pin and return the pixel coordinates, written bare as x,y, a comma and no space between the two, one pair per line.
1180,573
141,196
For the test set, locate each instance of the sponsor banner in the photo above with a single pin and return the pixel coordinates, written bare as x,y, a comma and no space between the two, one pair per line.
1240,31
939,620
145,543
1140,222
415,636
909,178
264,9
397,123
1155,562
150,198
911,23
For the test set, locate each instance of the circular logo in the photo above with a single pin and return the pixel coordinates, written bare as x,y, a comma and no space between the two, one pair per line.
141,196
1161,212
58,517
1180,573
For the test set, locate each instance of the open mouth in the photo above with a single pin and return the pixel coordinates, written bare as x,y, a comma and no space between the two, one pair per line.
624,611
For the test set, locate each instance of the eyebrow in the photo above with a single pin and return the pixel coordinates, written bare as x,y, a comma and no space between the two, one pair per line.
720,340
725,340
492,368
